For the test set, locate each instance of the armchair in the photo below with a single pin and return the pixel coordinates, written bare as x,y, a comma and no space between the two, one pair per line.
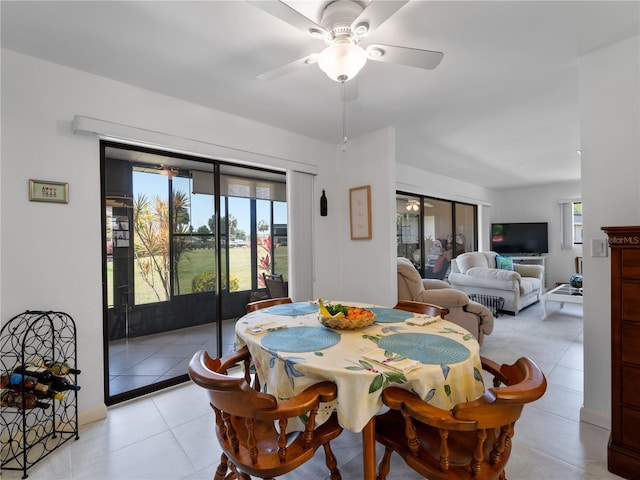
476,272
472,316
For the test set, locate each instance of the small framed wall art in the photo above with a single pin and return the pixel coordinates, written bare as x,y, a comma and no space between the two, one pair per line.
45,191
360,212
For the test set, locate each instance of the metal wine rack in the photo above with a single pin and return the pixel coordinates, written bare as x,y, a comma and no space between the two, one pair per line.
29,435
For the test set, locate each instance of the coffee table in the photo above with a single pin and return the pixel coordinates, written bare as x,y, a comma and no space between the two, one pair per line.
564,293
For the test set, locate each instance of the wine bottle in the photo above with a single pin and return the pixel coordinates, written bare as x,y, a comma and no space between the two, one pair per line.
19,382
323,204
43,374
60,368
46,377
48,393
4,380
22,401
60,384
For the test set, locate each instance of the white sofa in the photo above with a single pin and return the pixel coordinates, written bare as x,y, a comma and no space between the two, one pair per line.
476,272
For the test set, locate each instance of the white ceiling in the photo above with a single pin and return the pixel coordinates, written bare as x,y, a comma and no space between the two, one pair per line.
501,110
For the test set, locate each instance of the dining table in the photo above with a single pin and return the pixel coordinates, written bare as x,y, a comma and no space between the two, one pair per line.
437,360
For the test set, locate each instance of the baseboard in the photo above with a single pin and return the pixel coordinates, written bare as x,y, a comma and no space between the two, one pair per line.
92,415
595,418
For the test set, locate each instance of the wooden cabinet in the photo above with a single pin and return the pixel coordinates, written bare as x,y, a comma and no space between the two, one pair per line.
624,444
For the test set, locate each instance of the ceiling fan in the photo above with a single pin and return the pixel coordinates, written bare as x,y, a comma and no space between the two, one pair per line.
343,24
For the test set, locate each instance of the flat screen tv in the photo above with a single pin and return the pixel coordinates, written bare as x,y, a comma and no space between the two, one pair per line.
520,238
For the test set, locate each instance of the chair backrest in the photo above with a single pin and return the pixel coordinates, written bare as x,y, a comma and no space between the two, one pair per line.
246,419
465,261
409,281
275,285
233,395
419,307
260,304
472,440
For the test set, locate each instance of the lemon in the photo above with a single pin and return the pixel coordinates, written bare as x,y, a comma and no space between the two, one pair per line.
323,310
325,313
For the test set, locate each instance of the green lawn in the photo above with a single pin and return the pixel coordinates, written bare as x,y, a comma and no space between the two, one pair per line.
199,261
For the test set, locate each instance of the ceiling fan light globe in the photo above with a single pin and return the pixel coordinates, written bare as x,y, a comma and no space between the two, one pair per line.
342,61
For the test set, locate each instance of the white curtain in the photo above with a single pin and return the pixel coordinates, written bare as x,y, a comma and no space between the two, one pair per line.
300,234
566,224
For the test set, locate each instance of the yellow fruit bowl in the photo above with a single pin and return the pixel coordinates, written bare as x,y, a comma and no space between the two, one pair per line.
344,317
344,323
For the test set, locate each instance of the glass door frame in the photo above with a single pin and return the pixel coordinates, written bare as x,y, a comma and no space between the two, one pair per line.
421,199
228,304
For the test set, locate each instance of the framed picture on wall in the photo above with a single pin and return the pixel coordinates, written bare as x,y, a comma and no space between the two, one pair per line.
360,212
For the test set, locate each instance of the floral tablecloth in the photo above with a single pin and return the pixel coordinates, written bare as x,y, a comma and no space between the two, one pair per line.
436,359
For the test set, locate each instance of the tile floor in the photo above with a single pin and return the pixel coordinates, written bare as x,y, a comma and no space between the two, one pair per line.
142,361
169,435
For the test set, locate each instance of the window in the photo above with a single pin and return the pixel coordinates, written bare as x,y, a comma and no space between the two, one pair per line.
431,232
570,223
194,260
577,223
173,236
272,256
150,237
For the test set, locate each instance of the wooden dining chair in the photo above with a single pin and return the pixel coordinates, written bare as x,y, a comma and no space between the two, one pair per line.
420,307
275,286
269,302
470,441
246,422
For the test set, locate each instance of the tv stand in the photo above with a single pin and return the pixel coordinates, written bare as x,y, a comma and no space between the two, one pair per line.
536,259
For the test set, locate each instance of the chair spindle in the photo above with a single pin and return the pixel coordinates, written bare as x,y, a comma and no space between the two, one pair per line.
282,439
410,432
478,454
310,426
231,432
444,449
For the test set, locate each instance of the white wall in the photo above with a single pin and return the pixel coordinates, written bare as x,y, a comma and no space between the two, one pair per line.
610,145
51,253
422,182
540,204
359,269
370,264
413,180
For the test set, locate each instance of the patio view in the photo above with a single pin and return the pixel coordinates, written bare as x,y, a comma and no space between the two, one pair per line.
167,238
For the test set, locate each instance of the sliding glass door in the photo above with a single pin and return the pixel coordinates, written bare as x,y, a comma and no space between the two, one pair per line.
431,232
186,241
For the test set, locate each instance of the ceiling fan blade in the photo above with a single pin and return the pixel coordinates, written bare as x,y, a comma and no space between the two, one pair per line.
288,68
349,90
289,15
414,57
376,13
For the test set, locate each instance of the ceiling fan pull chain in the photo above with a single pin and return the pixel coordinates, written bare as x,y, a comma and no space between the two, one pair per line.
344,119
